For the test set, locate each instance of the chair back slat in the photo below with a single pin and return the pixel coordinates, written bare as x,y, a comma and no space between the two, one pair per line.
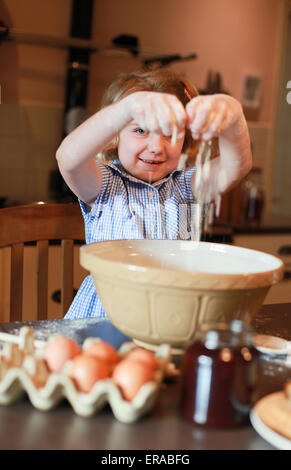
16,281
67,274
42,279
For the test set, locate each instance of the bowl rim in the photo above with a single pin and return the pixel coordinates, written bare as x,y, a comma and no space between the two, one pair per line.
124,271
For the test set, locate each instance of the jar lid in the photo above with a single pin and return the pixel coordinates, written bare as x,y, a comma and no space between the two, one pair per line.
233,333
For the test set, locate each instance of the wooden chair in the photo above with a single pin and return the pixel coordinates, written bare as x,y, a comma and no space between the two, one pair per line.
40,223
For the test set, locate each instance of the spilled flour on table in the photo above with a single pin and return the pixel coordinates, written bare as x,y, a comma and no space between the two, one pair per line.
44,329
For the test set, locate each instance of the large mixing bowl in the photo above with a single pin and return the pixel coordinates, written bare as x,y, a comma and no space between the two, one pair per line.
159,291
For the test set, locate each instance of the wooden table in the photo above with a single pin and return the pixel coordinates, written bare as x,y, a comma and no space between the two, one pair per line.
24,427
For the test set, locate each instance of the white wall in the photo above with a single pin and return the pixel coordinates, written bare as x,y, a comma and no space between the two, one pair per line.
233,37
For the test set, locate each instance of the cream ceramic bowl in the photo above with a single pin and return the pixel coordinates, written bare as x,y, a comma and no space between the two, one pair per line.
159,291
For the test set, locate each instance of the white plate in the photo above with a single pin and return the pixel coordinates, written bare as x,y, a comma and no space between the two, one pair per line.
272,345
278,441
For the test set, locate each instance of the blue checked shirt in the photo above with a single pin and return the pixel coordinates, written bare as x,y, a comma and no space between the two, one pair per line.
128,208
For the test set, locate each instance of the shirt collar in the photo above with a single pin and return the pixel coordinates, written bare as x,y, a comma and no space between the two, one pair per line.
116,165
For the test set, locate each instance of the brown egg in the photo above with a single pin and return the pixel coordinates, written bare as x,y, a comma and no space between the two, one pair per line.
144,355
130,376
60,350
102,350
87,370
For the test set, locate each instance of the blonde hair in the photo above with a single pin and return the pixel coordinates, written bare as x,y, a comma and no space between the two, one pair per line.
160,80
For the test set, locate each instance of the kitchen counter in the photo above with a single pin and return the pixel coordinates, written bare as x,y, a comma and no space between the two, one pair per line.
262,229
271,223
223,231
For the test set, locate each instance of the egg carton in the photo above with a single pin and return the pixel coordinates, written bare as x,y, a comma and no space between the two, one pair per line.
23,370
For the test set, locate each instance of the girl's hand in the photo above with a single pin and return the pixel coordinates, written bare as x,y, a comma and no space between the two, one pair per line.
156,112
211,115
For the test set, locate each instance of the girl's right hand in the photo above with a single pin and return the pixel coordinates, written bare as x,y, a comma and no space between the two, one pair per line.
156,112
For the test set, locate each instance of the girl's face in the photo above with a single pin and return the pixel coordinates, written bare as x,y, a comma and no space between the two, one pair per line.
146,155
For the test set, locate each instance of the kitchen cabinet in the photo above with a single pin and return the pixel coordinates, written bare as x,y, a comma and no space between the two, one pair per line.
277,244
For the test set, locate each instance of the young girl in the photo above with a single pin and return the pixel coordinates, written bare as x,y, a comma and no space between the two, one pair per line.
142,194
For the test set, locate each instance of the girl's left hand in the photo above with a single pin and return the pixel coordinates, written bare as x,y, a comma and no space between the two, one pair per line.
210,115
